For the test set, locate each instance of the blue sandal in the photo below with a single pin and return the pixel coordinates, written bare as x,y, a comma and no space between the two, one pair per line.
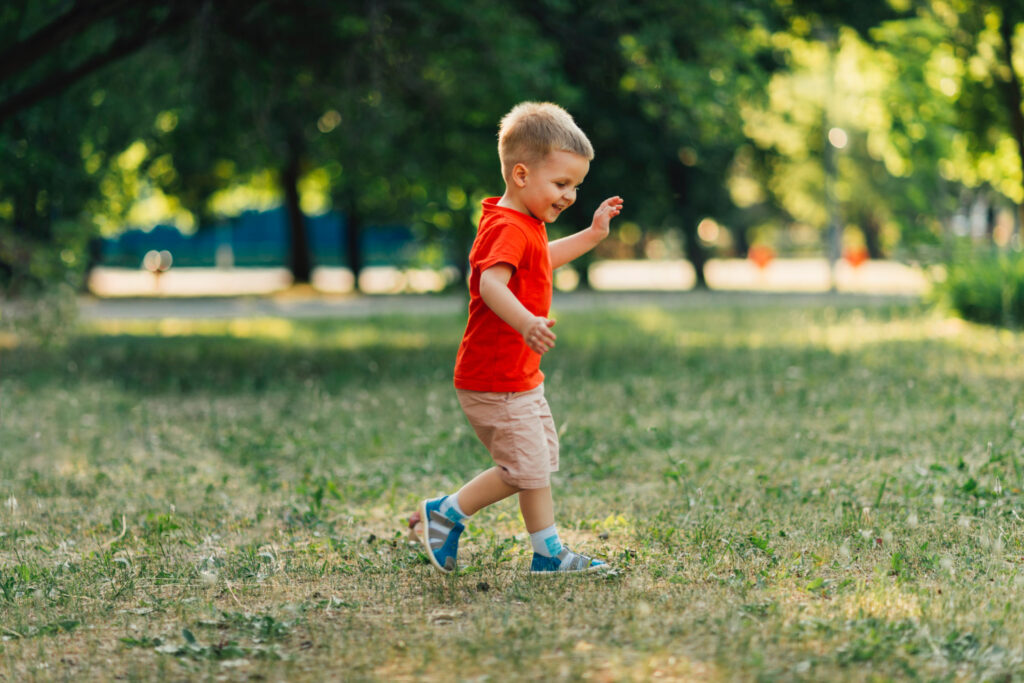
440,536
565,562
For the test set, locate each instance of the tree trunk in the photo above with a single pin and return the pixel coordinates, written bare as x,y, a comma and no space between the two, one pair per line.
583,271
462,242
871,230
680,185
6,265
94,257
741,244
299,261
353,241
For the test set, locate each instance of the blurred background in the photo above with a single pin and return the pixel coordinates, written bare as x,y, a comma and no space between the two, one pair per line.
194,147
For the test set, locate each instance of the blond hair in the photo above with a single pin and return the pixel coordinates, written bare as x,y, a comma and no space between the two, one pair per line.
533,129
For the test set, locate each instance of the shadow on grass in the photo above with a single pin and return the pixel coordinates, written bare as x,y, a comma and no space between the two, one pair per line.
151,364
223,365
703,347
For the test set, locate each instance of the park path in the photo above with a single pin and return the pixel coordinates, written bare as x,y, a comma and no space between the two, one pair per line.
302,306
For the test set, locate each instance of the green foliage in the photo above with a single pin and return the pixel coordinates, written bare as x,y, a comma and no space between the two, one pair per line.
987,287
53,150
388,111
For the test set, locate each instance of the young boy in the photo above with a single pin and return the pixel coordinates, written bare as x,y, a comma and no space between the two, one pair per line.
544,158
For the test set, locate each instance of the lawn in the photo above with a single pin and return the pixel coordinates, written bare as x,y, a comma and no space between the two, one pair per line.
786,489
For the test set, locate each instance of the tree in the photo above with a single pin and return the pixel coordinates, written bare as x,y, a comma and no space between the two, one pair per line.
869,109
255,105
393,107
92,33
984,40
659,87
52,148
454,102
72,105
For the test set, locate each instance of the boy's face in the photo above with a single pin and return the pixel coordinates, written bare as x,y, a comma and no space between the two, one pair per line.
547,188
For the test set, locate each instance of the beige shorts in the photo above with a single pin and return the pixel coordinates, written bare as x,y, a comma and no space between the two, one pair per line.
518,431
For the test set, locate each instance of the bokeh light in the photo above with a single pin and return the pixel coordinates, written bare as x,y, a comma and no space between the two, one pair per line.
838,138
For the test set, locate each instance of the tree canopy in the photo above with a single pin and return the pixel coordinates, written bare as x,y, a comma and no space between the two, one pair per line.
776,120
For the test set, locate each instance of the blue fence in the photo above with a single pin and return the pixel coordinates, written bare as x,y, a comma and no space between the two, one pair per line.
260,239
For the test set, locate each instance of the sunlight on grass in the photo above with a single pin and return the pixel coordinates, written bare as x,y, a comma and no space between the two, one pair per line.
261,328
881,601
183,327
352,335
653,321
366,337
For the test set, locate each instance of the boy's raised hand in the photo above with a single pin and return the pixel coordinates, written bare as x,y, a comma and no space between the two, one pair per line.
609,209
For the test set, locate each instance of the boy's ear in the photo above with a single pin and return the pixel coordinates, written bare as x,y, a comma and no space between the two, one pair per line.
519,173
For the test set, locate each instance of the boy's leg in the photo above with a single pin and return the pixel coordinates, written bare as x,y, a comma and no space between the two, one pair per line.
442,517
538,508
549,555
485,489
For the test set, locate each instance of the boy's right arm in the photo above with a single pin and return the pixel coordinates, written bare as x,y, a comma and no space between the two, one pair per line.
536,329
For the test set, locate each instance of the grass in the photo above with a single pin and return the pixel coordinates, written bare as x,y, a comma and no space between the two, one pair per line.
787,491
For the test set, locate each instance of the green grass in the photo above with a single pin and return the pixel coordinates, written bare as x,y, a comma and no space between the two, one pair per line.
787,491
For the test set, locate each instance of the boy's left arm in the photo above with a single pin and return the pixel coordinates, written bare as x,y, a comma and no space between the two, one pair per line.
564,250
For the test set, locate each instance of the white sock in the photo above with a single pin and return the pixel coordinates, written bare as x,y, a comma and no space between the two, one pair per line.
546,542
450,508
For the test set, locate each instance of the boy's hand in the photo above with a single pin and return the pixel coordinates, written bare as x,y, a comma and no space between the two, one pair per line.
536,329
609,209
538,335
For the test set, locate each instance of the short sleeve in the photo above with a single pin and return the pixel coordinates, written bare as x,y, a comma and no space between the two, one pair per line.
500,243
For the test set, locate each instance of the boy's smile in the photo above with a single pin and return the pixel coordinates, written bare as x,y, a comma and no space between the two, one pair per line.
546,188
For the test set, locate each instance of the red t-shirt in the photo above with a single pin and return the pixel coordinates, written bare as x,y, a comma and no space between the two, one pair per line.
493,356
